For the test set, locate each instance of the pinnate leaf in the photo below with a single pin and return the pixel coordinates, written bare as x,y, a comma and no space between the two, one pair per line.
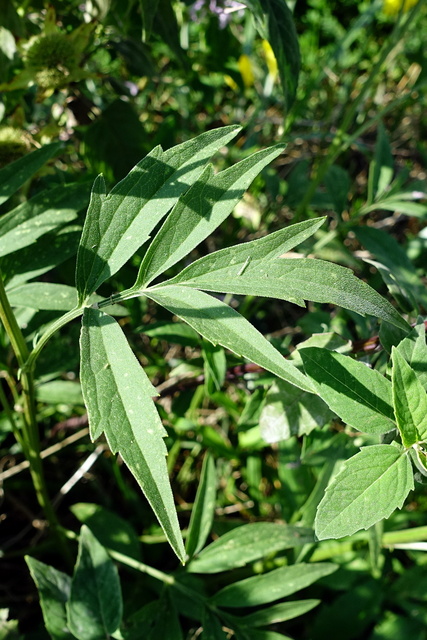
370,486
118,396
236,270
248,268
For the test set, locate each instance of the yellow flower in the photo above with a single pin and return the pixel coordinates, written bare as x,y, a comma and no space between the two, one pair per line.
393,7
245,68
270,58
230,82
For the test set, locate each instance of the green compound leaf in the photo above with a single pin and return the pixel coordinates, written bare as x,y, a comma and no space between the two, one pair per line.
248,268
220,324
410,401
15,174
45,212
360,396
271,586
119,223
54,590
370,486
203,510
118,396
95,604
247,543
243,269
199,212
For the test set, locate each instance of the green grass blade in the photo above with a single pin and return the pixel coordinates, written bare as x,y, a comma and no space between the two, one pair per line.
203,510
15,174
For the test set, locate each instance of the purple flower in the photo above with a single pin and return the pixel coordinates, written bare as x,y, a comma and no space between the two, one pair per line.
222,8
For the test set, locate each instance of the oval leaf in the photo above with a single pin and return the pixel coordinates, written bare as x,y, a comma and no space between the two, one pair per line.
370,486
95,604
54,590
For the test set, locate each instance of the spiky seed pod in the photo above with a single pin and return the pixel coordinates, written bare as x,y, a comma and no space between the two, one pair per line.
52,58
14,143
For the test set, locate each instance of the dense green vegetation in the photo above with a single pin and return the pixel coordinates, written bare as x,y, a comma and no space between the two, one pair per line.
248,298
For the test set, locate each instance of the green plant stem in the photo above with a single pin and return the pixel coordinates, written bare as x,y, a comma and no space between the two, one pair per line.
329,550
29,439
172,582
342,140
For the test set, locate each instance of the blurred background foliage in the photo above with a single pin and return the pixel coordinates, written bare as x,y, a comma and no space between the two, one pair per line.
112,79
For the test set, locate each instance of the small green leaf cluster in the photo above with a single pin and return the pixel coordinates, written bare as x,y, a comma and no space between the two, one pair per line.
89,606
376,481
